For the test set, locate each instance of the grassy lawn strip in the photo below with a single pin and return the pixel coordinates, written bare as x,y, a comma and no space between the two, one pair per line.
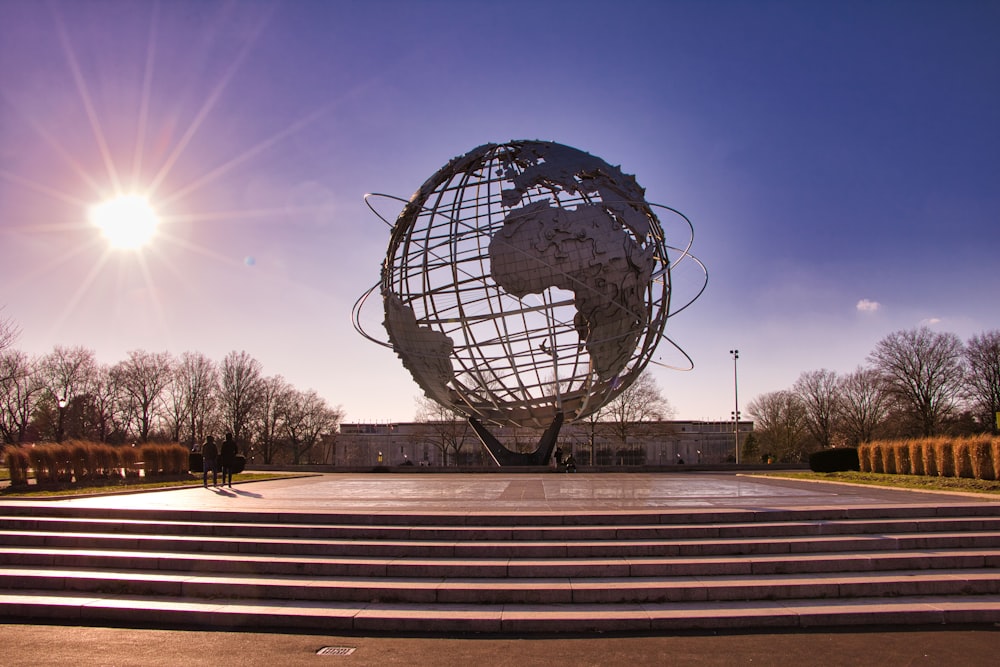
914,482
132,486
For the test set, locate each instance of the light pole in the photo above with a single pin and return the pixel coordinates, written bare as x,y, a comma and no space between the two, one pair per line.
736,404
59,429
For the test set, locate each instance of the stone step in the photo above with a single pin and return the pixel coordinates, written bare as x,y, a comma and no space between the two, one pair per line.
586,519
489,549
512,619
496,533
642,571
505,590
325,566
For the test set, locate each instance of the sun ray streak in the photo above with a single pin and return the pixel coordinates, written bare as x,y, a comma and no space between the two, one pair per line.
80,291
54,145
147,85
88,105
154,298
206,108
41,187
253,151
199,250
242,214
41,271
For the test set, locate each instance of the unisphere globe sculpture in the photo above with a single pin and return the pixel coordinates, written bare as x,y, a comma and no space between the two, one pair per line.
526,283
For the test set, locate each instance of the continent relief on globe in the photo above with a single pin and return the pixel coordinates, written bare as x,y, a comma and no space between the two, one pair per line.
426,353
586,251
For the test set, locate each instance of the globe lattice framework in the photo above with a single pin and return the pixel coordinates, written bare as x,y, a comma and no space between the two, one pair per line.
526,283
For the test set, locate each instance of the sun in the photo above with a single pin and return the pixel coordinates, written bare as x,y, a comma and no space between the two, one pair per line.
127,221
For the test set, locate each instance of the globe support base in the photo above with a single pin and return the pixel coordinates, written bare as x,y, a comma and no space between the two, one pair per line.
505,457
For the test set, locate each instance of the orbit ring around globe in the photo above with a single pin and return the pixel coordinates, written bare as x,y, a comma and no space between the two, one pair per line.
528,282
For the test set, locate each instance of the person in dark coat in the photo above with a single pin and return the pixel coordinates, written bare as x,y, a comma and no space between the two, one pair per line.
210,460
228,459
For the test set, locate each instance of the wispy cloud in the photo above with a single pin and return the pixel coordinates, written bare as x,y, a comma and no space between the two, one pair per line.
868,306
930,321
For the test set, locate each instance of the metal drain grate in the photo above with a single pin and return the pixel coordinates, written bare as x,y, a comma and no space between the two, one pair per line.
336,650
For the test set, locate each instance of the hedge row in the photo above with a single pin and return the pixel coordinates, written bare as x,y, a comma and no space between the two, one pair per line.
841,459
82,461
976,457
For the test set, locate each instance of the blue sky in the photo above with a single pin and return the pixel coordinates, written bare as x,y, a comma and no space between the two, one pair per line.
840,162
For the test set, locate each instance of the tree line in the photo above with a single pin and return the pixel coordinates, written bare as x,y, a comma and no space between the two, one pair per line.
156,396
916,383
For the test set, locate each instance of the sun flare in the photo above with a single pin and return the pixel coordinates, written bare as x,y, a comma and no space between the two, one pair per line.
127,221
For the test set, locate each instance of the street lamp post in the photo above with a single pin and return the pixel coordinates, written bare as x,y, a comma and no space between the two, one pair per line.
736,404
59,428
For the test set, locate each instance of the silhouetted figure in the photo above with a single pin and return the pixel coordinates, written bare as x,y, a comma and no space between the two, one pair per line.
558,456
228,459
210,459
570,463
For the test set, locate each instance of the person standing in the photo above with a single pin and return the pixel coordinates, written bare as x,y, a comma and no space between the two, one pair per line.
210,459
228,459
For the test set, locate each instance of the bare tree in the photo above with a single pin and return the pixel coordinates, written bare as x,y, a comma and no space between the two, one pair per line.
863,405
982,354
596,430
105,416
142,378
441,428
18,394
67,373
197,378
925,371
780,424
818,392
305,420
240,392
640,402
274,395
8,334
175,410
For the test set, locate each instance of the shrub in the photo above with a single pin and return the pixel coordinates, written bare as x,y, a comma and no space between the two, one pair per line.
887,457
916,451
178,458
40,462
77,452
963,459
867,456
901,454
929,458
834,460
164,459
63,461
127,457
944,457
150,455
105,460
863,457
980,457
995,456
876,457
18,464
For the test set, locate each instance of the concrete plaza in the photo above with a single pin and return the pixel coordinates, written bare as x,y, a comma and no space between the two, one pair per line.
525,493
522,493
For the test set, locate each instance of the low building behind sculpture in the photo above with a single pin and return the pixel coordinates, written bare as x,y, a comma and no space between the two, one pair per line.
439,443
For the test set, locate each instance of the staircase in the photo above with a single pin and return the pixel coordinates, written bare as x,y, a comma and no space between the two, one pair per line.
517,574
